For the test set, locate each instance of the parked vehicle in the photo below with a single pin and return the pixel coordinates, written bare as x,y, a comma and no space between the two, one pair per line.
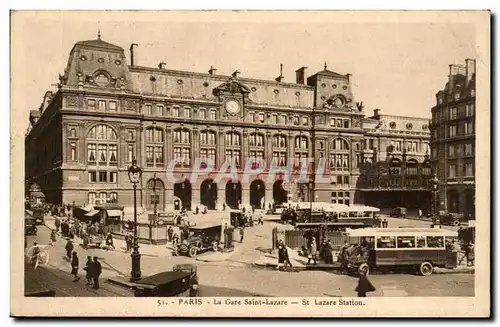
398,212
30,226
415,249
451,219
182,281
166,218
200,240
38,214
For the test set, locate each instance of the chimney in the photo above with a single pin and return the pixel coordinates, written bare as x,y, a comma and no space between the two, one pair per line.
376,112
132,54
162,65
212,71
300,75
280,78
236,74
470,69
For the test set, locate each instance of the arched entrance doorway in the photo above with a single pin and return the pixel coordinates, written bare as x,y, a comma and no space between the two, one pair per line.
279,193
233,194
453,201
155,193
257,194
208,193
182,190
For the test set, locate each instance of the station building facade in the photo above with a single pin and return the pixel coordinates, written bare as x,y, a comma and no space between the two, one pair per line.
107,112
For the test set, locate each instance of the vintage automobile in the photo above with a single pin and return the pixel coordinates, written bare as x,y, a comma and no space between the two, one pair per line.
415,249
182,281
398,212
201,239
30,226
451,219
38,215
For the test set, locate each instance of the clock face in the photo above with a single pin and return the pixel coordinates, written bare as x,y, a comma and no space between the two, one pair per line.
232,106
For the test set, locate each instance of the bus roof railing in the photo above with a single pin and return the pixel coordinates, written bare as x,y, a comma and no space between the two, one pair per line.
367,232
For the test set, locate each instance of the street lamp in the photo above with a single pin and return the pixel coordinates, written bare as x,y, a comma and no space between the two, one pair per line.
435,189
134,174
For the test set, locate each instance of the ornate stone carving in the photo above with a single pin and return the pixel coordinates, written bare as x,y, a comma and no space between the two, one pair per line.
231,86
72,101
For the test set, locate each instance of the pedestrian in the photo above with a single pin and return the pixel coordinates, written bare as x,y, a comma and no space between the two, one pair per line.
328,252
469,252
253,208
170,233
242,233
74,266
175,240
96,272
224,206
364,285
287,263
419,213
69,248
52,237
57,223
197,210
88,268
261,219
109,241
312,252
281,255
35,255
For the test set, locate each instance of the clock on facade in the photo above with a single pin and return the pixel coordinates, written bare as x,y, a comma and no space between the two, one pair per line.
232,106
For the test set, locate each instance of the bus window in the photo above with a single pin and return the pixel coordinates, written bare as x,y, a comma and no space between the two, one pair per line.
367,214
353,214
405,242
435,241
420,241
386,242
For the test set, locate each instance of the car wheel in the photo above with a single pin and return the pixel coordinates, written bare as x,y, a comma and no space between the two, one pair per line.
456,223
193,251
364,267
426,268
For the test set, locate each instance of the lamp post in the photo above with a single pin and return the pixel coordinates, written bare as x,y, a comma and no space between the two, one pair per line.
134,174
435,190
155,205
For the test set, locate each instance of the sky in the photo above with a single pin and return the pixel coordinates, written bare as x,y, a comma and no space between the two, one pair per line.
396,66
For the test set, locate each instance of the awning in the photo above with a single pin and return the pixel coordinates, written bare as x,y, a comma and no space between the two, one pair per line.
92,213
114,213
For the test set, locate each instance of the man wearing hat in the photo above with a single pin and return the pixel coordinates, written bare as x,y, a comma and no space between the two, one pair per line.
313,251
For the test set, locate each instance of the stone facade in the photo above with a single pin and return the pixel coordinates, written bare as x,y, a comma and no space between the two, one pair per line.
453,140
106,113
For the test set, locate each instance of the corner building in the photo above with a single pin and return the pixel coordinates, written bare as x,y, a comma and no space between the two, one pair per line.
453,140
105,112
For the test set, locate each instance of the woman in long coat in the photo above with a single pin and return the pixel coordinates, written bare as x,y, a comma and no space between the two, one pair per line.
364,285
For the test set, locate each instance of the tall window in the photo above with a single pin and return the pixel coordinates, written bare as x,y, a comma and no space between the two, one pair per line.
154,147
468,149
112,105
256,144
102,105
187,112
208,147
130,153
73,151
468,169
149,110
274,119
91,104
452,131
469,110
233,148
301,150
102,146
182,146
396,145
256,158
301,142
160,110
453,113
469,128
283,120
279,150
339,155
256,139
339,144
202,113
412,146
92,197
175,111
452,170
213,114
451,150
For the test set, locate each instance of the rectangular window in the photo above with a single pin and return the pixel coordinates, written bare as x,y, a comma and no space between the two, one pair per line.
160,110
130,153
371,145
73,151
112,177
112,154
186,156
469,110
202,114
112,105
150,155
469,128
213,114
451,150
296,120
453,113
332,121
113,196
102,197
452,131
274,119
211,156
175,111
346,123
251,117
420,241
405,242
346,180
92,197
468,149
102,105
149,110
91,104
159,155
102,153
187,112
386,242
177,153
283,120
305,121
435,242
339,123
468,170
261,117
103,176
452,170
91,152
92,176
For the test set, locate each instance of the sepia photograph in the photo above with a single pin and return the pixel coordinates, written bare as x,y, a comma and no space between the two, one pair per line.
250,164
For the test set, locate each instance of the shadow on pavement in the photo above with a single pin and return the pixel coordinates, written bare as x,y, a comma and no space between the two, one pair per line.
214,291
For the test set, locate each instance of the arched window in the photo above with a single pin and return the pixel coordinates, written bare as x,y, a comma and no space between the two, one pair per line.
340,144
155,147
256,139
233,148
182,146
279,141
301,142
256,154
102,146
208,147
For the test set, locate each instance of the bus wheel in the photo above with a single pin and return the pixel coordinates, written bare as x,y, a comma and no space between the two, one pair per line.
364,267
426,268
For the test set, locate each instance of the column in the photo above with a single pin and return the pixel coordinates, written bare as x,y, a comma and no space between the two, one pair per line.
245,195
221,194
220,145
